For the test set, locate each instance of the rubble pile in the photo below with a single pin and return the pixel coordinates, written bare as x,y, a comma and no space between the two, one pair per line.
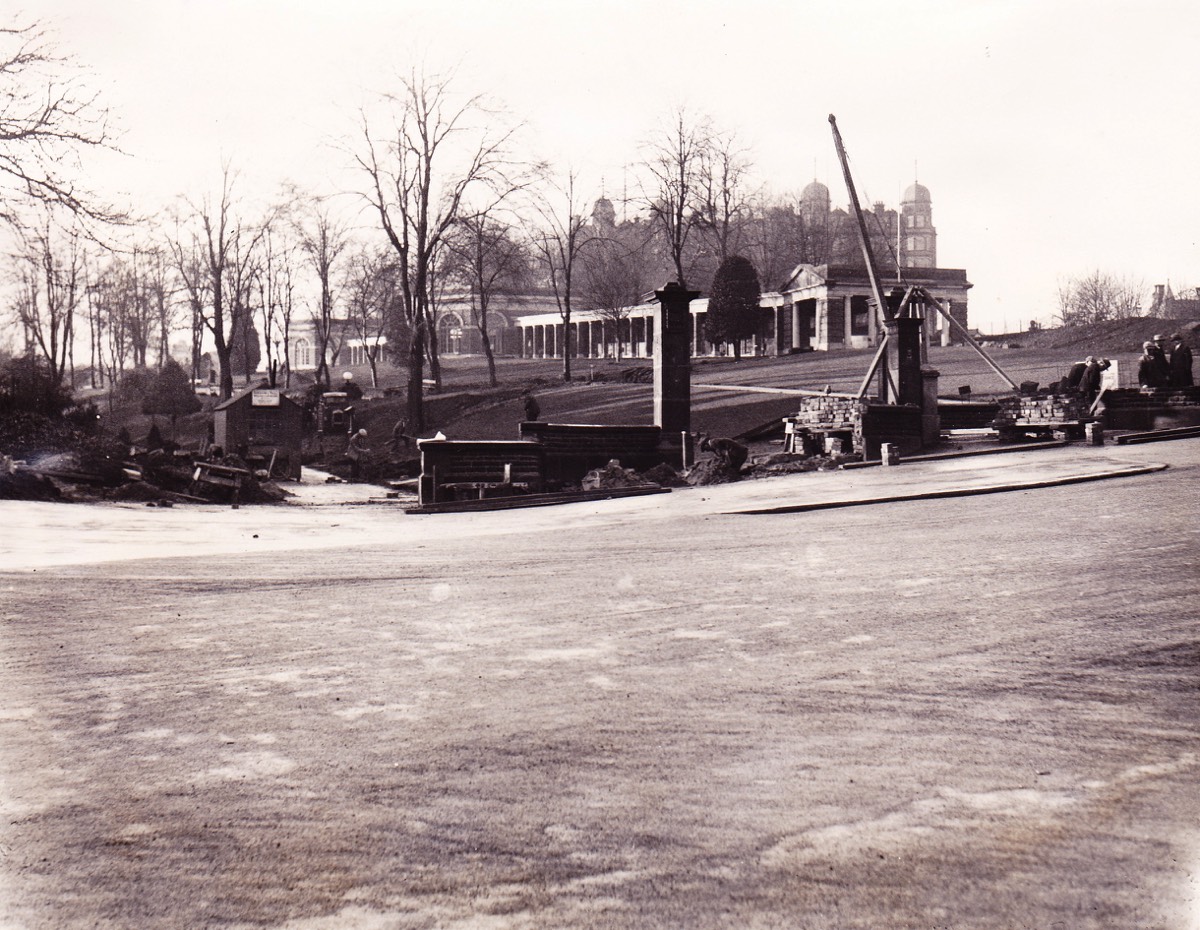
787,463
612,476
712,471
42,459
19,482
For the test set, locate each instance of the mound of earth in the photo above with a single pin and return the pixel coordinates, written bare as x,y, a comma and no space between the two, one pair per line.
1112,337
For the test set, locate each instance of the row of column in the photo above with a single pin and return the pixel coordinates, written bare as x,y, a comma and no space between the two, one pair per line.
799,325
590,339
595,338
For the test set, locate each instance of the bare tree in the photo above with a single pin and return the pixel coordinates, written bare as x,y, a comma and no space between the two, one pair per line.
559,241
226,246
277,299
47,119
490,260
189,271
722,201
51,285
1098,297
615,278
776,240
373,290
110,334
432,161
96,324
159,292
323,240
136,310
675,160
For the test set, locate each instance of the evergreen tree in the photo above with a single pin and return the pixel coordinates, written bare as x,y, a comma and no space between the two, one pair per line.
171,393
245,350
733,312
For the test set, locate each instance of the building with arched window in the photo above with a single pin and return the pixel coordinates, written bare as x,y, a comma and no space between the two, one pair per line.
825,302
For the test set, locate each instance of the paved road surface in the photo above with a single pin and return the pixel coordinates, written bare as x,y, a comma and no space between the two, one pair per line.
969,713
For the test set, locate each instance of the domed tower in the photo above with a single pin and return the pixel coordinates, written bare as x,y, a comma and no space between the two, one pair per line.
814,214
604,214
918,239
814,203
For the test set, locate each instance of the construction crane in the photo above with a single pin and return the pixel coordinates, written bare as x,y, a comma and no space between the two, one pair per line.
905,318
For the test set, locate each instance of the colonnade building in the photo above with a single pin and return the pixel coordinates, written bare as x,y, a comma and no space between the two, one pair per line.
819,308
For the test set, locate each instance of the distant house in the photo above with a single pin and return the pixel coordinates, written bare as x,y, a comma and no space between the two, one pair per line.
1167,305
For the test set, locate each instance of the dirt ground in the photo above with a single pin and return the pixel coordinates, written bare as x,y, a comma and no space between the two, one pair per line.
979,712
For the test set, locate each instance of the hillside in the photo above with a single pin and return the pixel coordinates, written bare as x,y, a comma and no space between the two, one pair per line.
1111,338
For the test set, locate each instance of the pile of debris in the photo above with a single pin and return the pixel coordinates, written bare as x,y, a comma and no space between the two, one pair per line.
19,482
720,461
790,463
42,459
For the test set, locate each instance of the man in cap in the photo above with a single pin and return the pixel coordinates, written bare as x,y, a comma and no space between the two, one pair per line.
1152,373
1180,363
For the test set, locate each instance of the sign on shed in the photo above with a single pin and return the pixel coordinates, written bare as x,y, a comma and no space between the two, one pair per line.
261,397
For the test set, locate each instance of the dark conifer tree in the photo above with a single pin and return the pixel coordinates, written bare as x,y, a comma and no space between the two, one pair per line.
171,394
733,312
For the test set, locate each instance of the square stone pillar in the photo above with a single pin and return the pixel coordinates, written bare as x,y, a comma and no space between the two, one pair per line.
672,359
931,421
908,361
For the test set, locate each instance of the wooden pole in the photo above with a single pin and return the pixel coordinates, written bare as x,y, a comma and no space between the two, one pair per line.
880,353
962,331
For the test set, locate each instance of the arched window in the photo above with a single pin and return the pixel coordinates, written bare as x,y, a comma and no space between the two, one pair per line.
302,354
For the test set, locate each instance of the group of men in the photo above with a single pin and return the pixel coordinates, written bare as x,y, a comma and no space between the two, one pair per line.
1161,367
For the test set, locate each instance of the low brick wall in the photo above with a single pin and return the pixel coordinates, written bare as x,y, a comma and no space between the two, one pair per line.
574,449
1163,408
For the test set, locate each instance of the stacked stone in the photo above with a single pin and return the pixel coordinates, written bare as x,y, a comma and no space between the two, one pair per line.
829,413
1044,409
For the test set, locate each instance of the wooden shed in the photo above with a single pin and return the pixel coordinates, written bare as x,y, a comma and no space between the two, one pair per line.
261,423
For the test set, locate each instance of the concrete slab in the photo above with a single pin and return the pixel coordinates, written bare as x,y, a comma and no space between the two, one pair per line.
975,713
350,515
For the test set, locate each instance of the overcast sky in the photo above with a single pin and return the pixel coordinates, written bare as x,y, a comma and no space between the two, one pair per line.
1056,137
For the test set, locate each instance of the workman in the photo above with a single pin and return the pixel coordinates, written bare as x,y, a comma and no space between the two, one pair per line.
355,450
729,452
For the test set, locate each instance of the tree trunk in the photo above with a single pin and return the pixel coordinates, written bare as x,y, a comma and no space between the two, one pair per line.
435,361
416,379
567,346
223,360
489,355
